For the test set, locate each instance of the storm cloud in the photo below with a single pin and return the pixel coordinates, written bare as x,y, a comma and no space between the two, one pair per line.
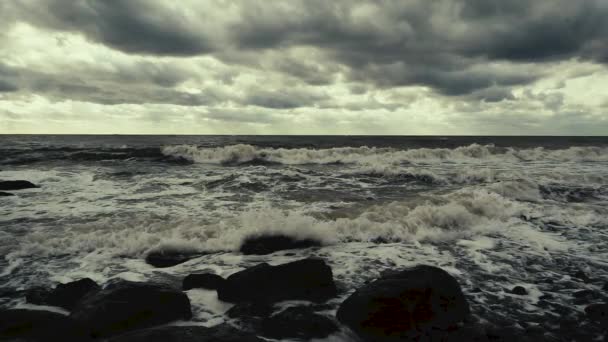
226,57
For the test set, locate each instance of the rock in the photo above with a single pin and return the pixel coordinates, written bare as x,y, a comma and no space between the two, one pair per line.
38,325
298,323
127,306
598,313
207,281
308,279
64,295
583,294
582,276
220,333
267,244
163,259
519,290
248,310
5,194
16,185
405,305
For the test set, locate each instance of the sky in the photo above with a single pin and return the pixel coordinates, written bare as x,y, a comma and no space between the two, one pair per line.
394,67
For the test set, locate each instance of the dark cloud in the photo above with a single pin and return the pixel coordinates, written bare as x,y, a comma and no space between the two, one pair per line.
475,50
133,26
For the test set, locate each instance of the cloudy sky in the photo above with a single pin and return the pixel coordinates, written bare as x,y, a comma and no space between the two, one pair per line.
304,67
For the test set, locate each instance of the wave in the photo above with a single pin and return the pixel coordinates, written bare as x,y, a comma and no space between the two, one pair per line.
243,154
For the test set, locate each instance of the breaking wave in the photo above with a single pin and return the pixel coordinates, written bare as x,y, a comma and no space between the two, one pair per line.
243,154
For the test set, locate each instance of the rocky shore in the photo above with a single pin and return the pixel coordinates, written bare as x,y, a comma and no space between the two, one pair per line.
420,303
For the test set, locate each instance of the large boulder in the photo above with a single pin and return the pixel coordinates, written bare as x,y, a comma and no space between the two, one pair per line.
410,304
38,325
64,295
266,244
126,306
16,185
207,281
162,259
308,279
220,333
298,323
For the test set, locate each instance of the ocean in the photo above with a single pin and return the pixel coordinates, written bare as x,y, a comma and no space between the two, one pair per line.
495,212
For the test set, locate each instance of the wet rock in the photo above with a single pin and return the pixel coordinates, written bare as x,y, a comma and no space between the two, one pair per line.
250,310
5,194
267,244
64,295
598,313
220,333
127,306
579,274
406,305
308,279
519,290
38,325
207,281
163,259
298,323
16,185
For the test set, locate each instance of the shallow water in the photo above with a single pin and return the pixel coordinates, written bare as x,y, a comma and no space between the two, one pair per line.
493,211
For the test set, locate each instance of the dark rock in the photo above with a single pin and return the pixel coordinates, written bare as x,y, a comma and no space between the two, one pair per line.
405,305
64,295
5,194
207,281
127,306
605,287
267,244
583,294
220,333
519,290
298,323
38,325
169,258
598,313
16,185
250,309
308,279
582,276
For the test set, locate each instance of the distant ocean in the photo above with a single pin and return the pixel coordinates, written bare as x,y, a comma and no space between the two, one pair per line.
495,212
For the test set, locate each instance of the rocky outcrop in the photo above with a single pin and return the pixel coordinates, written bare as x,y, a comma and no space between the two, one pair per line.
163,259
300,323
308,279
16,185
412,304
126,306
266,244
220,333
38,325
64,295
207,281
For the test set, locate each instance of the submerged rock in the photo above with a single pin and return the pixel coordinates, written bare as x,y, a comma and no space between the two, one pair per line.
598,313
247,310
127,306
207,281
410,304
519,290
220,333
308,279
16,185
163,259
38,325
64,295
267,244
6,194
298,323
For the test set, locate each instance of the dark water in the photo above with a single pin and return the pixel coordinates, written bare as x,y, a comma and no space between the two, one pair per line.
496,212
